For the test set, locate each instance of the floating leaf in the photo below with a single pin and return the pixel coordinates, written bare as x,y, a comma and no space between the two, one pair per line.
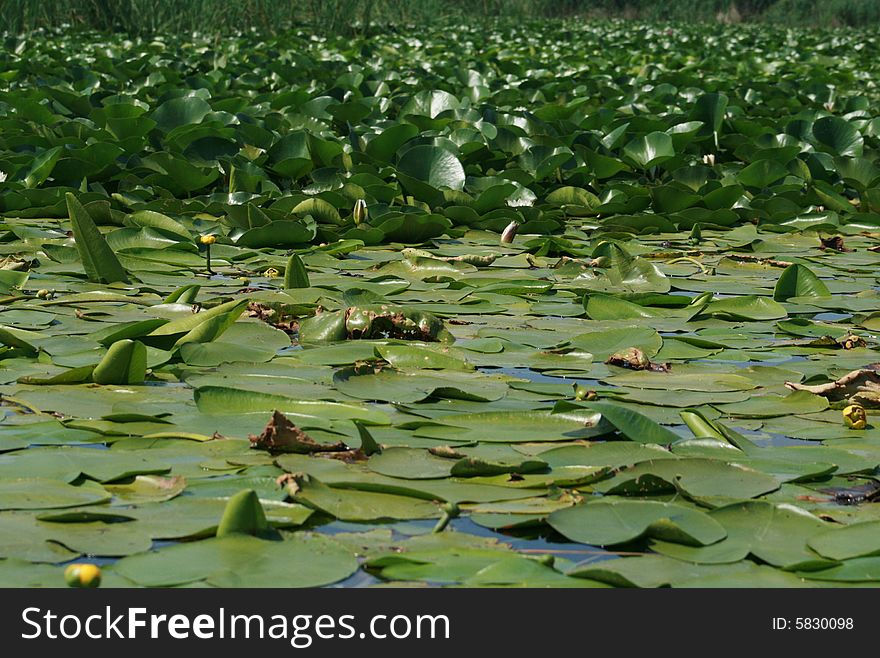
304,560
605,523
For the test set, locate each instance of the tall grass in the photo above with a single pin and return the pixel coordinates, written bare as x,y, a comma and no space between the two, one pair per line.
147,16
142,17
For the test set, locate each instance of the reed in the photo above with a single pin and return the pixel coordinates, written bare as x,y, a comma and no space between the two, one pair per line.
144,17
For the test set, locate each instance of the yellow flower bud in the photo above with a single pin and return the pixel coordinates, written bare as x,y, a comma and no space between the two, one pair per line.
82,575
208,239
581,393
855,417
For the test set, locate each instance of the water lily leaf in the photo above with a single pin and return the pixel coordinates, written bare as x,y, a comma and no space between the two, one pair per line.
838,136
605,523
353,505
21,573
517,426
661,571
624,273
698,478
430,103
410,463
682,381
472,567
858,570
709,109
633,425
224,400
602,344
384,145
321,210
799,281
607,307
761,174
10,279
16,338
432,165
407,357
771,406
241,342
810,329
746,307
42,167
295,274
286,233
182,111
124,363
650,150
160,222
853,541
302,560
25,537
406,387
244,515
99,261
68,463
776,534
147,489
212,327
41,493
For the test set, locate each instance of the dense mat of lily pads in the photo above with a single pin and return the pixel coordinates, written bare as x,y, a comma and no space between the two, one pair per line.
259,326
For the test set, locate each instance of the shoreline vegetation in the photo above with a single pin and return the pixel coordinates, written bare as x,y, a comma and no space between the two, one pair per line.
144,17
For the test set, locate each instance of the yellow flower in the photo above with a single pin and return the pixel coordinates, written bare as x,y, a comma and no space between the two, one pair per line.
855,417
208,239
82,575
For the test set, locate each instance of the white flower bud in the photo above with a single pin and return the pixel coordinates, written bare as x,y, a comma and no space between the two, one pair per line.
509,233
360,212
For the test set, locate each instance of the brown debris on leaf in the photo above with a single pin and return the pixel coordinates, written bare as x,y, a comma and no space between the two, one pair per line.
867,492
635,359
857,387
271,317
848,342
446,451
363,322
851,341
834,243
351,456
280,435
746,258
292,482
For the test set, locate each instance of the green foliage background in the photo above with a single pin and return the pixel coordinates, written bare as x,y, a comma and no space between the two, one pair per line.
149,16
